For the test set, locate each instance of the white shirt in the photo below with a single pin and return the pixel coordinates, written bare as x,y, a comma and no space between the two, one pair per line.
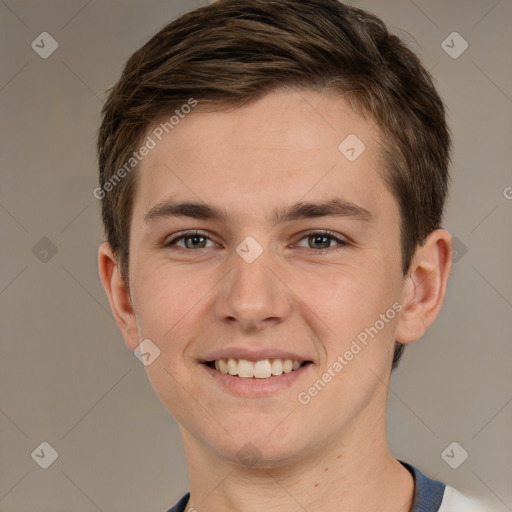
455,501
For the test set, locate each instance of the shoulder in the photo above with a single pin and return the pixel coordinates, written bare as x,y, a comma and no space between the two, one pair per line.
434,496
180,506
455,501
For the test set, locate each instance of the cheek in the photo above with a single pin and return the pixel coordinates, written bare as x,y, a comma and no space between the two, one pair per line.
168,304
361,312
361,316
174,307
350,298
165,297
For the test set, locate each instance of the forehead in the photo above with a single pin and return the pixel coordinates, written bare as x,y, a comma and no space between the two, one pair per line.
297,145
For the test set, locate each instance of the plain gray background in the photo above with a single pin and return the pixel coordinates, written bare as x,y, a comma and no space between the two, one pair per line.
66,376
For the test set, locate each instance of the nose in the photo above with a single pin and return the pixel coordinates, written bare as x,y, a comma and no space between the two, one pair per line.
253,294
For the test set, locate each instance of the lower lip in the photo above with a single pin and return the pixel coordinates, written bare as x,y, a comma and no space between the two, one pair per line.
252,387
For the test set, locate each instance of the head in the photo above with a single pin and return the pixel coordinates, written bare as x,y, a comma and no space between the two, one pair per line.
188,119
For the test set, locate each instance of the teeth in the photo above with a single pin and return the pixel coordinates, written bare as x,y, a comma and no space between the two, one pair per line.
232,366
223,366
277,367
245,369
260,369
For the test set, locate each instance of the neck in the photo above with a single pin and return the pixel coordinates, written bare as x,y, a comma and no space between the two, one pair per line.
353,473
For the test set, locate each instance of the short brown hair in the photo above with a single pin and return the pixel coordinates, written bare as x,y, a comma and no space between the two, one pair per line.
232,52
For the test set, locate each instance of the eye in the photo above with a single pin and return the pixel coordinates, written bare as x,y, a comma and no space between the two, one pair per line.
321,240
193,240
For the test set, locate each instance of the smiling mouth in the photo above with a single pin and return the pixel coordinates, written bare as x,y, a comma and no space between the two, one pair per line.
263,369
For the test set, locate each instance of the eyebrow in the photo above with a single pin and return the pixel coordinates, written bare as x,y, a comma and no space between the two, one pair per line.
301,210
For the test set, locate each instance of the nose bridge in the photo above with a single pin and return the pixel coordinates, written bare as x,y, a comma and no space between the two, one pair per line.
253,294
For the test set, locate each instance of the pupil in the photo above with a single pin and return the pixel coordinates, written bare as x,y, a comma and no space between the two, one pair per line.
194,238
320,237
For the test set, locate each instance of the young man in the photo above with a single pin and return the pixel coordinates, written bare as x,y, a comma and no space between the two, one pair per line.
272,177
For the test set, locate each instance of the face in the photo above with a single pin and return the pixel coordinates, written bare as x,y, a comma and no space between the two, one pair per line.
261,277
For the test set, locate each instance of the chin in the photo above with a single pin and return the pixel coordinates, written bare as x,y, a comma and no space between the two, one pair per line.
259,448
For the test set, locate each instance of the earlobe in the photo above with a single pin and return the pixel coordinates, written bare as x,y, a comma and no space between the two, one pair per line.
118,295
425,286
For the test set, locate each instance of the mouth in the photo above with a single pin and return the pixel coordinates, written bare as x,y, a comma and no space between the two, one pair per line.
262,369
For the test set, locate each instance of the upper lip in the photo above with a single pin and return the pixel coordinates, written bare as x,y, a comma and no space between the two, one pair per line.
253,354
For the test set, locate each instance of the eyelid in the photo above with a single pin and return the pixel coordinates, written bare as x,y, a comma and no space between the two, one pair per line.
324,232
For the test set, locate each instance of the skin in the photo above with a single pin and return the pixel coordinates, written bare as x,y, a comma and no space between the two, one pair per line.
330,454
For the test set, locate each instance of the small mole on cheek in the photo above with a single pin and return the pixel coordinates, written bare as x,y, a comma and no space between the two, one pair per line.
316,485
326,469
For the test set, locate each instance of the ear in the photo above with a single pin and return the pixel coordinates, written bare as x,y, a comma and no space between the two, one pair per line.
118,295
425,286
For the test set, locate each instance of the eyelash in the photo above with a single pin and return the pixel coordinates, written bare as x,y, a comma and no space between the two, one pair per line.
190,234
